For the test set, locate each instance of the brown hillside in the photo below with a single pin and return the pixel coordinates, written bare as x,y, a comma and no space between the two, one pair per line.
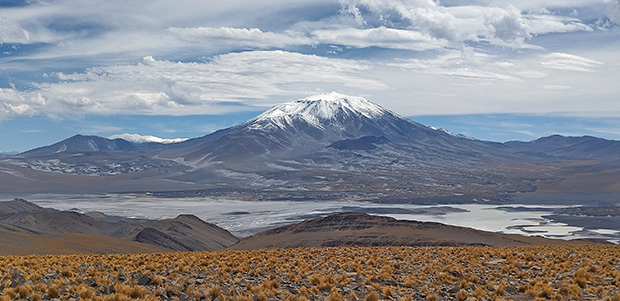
358,229
19,243
34,223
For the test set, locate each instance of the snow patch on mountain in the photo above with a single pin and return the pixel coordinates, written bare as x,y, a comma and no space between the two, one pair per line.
136,138
459,135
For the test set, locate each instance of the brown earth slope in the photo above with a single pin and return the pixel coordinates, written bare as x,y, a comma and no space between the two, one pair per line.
358,229
28,222
20,243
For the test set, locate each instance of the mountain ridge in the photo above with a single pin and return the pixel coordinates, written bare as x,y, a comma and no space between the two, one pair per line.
328,146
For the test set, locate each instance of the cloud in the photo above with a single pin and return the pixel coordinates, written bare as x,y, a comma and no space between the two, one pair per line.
16,103
226,83
240,37
481,68
182,57
379,37
557,87
570,62
124,32
136,138
545,24
255,38
466,64
503,26
26,32
613,11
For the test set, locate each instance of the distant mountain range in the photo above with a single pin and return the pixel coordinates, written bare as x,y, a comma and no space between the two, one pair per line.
328,146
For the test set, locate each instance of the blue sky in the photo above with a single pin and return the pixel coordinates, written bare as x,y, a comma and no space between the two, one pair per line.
492,69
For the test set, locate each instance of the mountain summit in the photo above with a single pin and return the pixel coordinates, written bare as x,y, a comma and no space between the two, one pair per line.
319,108
328,118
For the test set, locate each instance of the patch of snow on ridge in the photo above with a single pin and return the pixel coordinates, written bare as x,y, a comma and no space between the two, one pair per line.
136,138
321,107
459,135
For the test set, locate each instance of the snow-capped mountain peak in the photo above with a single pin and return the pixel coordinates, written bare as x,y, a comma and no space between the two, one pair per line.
327,105
321,107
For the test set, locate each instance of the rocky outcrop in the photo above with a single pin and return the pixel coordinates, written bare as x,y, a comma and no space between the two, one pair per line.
157,238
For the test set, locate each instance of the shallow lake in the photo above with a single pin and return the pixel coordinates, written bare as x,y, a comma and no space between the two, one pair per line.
244,218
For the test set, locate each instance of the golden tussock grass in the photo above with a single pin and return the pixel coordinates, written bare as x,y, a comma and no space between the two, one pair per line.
346,273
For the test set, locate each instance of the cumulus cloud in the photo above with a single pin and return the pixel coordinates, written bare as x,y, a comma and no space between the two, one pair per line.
226,83
16,103
504,26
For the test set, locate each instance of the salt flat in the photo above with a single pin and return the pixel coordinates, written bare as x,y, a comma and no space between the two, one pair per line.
244,218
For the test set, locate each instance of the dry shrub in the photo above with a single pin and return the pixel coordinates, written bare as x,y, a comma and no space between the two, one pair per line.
262,297
479,293
581,277
409,283
23,291
303,291
157,279
214,292
36,297
335,296
372,296
540,289
85,292
461,295
53,292
388,292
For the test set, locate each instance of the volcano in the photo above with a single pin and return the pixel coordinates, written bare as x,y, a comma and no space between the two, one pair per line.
324,125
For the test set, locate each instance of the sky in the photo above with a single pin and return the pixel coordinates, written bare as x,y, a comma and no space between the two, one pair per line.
494,70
